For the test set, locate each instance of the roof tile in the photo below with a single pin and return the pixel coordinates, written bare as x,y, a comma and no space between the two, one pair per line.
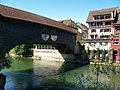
9,12
100,12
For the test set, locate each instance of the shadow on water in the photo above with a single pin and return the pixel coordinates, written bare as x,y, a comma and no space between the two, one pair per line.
67,66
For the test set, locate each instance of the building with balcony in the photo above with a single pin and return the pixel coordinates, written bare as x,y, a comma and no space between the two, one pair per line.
101,28
115,40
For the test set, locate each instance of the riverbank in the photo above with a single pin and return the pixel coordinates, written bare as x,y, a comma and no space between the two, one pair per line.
105,63
66,58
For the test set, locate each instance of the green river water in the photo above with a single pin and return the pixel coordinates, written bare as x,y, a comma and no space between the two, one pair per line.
29,74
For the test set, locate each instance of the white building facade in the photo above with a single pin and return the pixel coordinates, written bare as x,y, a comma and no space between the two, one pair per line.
100,28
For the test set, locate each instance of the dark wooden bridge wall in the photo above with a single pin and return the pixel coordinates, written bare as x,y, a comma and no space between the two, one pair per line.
14,32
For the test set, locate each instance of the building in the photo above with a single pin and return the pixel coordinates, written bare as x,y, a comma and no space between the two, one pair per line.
101,28
69,23
115,40
82,30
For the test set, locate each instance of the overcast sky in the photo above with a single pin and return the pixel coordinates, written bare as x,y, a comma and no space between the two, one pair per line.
77,10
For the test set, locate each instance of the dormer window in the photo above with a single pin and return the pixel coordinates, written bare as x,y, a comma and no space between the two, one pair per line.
105,16
102,17
96,17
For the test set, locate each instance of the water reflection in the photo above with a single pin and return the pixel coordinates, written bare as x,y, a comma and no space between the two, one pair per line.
67,66
26,73
19,81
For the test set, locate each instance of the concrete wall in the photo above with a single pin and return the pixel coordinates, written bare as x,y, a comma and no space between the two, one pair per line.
47,54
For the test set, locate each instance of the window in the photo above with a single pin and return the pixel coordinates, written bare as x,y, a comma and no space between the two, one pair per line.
93,30
102,17
92,36
101,30
117,34
107,16
108,23
96,17
117,27
96,36
99,24
116,42
115,52
105,36
93,24
107,30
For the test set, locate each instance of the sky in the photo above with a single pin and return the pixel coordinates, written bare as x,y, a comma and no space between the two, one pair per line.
77,10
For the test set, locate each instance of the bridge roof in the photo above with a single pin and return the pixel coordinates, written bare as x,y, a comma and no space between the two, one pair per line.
13,13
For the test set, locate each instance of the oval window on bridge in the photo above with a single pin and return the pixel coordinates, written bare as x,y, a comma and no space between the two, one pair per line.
53,35
45,34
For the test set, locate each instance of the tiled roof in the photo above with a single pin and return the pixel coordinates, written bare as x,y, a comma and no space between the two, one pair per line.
82,26
13,13
66,22
69,23
100,12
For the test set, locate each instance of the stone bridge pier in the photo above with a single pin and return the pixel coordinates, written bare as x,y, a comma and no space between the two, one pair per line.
80,54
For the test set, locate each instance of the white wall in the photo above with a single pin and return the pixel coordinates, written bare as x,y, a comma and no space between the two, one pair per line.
47,54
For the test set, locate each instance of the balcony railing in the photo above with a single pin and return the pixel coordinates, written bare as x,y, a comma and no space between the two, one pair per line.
103,26
116,36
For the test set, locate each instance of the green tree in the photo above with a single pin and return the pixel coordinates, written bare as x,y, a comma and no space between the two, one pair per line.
24,49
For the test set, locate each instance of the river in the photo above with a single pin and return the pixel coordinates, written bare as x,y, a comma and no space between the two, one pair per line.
29,74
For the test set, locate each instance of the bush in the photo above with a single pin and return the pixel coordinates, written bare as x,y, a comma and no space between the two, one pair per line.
24,49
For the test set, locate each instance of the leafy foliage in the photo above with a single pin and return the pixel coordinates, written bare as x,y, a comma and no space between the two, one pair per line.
4,63
24,49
